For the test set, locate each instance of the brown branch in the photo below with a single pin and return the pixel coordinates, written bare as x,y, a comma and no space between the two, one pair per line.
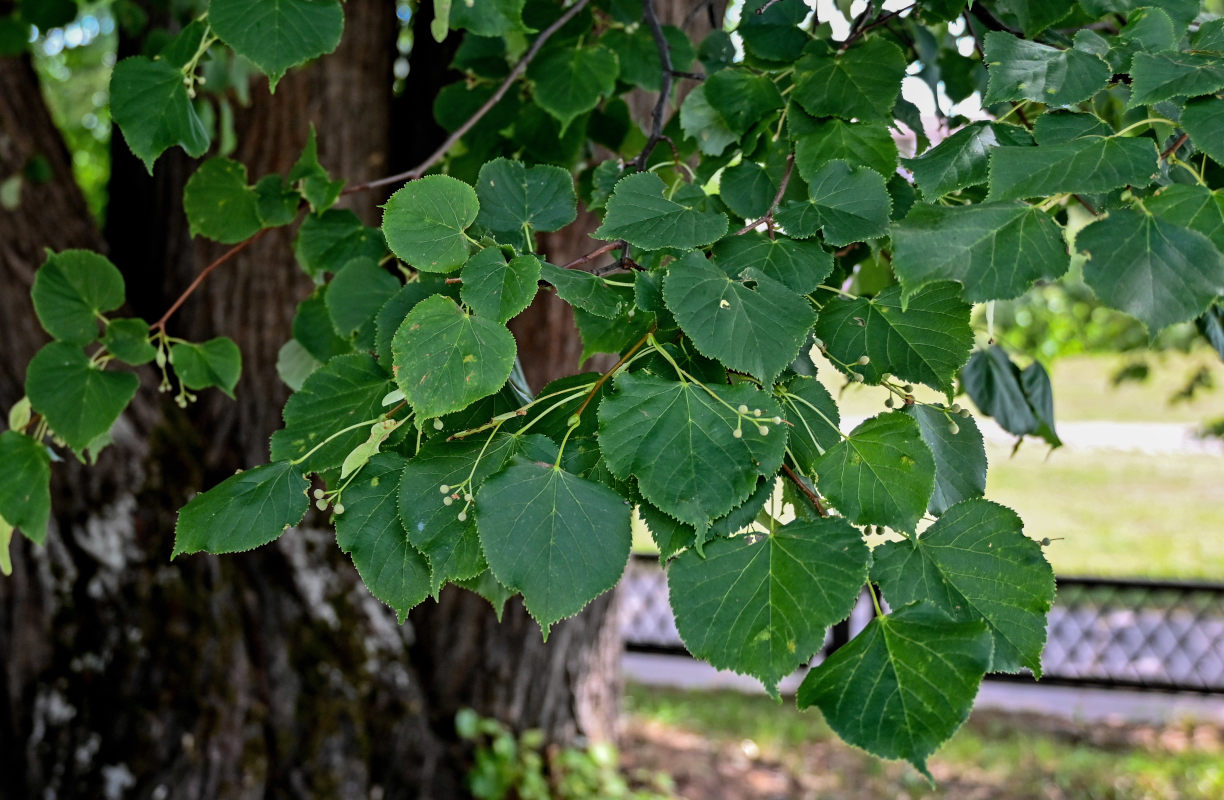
488,105
1171,149
665,84
160,325
812,497
604,378
1087,205
594,254
773,206
883,20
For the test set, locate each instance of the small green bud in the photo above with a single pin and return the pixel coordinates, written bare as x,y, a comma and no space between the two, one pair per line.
448,500
743,409
756,412
776,420
321,505
737,433
339,508
463,516
437,424
764,431
318,494
863,361
857,377
953,428
444,489
573,421
908,389
888,403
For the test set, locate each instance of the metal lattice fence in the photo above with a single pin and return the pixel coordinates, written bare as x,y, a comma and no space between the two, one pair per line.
1125,633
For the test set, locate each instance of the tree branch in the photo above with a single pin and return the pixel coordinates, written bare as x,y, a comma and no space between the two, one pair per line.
160,325
488,105
812,497
773,206
1171,149
666,79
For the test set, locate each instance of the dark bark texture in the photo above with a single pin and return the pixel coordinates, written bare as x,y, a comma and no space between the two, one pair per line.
272,673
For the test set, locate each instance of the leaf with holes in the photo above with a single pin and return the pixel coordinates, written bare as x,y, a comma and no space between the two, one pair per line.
752,324
760,603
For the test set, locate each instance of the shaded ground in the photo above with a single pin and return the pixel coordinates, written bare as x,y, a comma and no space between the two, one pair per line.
996,756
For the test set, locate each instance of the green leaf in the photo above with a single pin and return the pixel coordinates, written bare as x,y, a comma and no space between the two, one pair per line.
217,362
925,340
960,456
815,423
741,98
1164,76
219,204
80,400
672,536
294,364
904,685
639,212
316,185
1191,206
701,122
128,341
560,540
371,533
770,31
639,55
584,290
881,474
1034,16
747,189
1157,272
275,202
851,204
1181,10
346,390
859,83
487,17
487,587
975,563
497,290
514,197
1081,165
678,440
278,34
1203,119
797,264
611,334
961,159
150,105
569,81
356,294
752,324
326,242
993,383
451,545
71,289
1039,392
392,313
760,603
244,511
1024,70
1060,127
996,250
445,358
424,222
867,144
312,327
25,492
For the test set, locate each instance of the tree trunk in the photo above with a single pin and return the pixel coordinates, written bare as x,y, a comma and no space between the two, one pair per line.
266,674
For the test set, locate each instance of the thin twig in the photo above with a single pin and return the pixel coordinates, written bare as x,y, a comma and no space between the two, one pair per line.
594,254
656,118
768,218
765,6
1091,210
488,105
1171,149
160,325
812,497
604,378
882,20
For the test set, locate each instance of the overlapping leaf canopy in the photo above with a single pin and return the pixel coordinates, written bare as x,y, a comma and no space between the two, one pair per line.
771,210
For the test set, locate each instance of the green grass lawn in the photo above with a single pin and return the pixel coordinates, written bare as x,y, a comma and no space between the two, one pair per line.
997,756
